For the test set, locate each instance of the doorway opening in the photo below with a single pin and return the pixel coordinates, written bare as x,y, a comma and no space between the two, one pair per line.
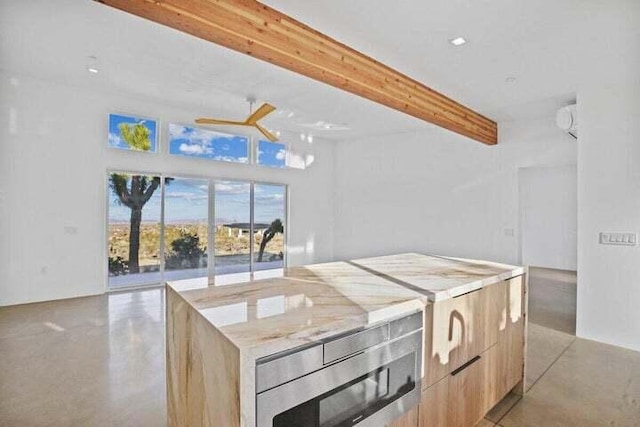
548,243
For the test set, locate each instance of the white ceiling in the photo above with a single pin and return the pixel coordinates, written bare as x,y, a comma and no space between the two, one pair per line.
531,40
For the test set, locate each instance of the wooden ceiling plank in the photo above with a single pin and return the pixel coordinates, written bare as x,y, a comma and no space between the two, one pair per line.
344,61
255,29
267,42
349,54
437,117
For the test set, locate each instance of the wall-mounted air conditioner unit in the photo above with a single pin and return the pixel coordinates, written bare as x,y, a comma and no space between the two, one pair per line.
567,120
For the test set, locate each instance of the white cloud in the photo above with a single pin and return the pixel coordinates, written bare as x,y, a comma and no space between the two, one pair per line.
230,187
280,155
201,142
192,148
270,198
114,140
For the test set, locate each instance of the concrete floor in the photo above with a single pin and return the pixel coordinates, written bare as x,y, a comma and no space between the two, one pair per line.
552,298
99,361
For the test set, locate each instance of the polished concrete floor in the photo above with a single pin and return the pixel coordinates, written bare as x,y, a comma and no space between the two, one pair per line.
99,361
96,361
552,298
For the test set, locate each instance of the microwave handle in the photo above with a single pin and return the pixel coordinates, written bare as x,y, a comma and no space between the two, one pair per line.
354,343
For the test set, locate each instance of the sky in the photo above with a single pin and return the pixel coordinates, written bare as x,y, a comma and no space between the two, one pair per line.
115,141
272,154
201,143
207,144
186,200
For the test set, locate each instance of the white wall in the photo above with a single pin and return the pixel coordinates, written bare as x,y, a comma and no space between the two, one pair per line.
436,192
53,163
549,217
609,175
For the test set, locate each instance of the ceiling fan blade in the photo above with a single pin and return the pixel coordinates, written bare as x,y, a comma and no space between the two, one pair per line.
260,113
204,121
271,137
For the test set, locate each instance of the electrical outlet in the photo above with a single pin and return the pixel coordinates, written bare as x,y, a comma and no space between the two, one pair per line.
624,239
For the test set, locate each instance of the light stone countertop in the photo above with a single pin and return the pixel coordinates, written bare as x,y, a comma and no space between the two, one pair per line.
267,316
437,277
314,302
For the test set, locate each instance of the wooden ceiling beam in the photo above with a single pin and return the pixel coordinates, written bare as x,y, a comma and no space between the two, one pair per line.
255,29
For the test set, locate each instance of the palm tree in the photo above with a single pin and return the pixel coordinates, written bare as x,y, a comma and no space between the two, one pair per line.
136,193
274,228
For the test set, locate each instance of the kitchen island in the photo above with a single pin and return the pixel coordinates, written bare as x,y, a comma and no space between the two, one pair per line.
473,332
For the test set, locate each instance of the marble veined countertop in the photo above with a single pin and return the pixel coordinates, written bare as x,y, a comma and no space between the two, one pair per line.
314,302
437,277
263,317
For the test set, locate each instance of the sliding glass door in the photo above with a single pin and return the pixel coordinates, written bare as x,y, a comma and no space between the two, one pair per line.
233,227
163,228
186,228
269,209
134,229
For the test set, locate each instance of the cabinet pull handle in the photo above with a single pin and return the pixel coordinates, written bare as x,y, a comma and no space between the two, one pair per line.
465,366
467,293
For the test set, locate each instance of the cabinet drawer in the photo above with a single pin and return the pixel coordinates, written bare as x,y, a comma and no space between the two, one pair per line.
504,365
460,328
466,405
410,419
503,307
454,333
434,405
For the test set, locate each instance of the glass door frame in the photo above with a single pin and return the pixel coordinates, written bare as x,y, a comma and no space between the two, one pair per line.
252,183
210,228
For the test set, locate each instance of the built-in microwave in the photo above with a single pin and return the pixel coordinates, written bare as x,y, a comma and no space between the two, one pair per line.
366,377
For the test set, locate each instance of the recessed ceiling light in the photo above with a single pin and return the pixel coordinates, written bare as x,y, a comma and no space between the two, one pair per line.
93,70
458,41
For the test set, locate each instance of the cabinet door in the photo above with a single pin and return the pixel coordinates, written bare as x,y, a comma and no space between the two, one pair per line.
466,404
504,365
410,419
496,312
454,334
494,376
516,330
436,343
434,404
466,328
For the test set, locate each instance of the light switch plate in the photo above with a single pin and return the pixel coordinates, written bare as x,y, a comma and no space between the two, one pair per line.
624,239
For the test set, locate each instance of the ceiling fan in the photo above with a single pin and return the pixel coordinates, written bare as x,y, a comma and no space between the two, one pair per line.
251,121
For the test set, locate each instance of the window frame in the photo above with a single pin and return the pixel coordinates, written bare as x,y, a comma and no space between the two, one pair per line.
249,139
159,135
211,264
287,150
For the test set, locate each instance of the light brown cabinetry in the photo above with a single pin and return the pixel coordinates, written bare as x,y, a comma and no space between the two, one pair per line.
434,405
454,333
474,354
410,419
465,399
